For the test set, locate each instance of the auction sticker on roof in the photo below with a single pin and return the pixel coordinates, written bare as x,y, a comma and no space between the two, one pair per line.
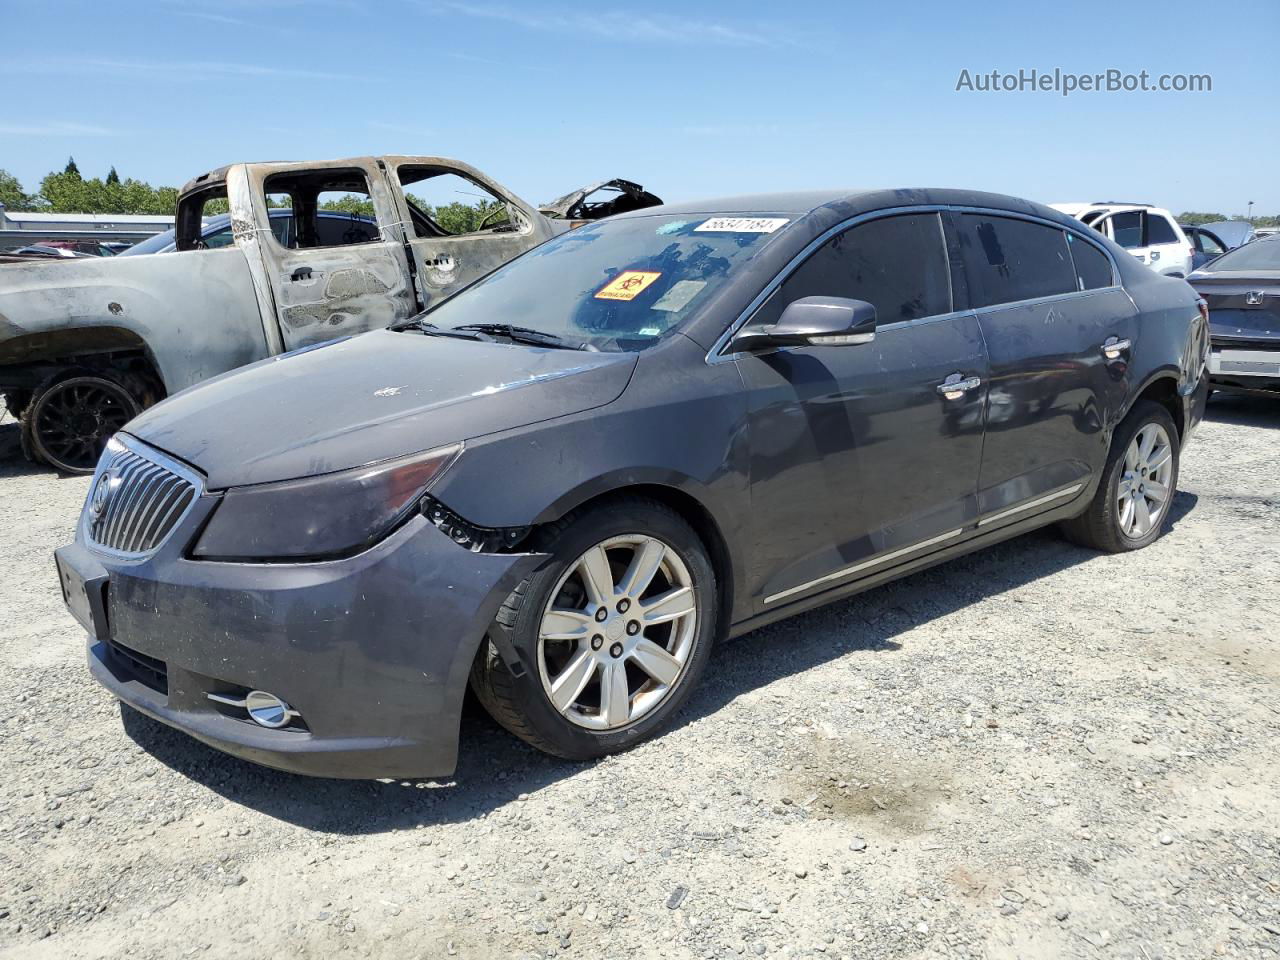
742,224
627,285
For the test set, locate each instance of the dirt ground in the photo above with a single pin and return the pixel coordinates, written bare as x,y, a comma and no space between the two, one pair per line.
1036,751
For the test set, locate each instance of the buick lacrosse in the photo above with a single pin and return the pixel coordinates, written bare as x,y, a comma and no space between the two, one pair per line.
664,429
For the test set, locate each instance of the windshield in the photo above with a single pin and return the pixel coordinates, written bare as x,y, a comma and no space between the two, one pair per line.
1258,255
615,284
150,245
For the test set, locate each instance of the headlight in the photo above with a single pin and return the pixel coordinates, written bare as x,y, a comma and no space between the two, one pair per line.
323,517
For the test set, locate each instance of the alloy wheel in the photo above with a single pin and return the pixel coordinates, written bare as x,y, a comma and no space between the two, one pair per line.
618,632
1143,492
73,420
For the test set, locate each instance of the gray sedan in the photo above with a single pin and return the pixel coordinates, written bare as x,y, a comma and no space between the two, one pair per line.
667,428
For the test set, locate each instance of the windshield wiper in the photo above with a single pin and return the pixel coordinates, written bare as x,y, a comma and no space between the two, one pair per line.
516,334
431,330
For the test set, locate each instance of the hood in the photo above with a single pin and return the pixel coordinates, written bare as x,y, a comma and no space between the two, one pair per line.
370,398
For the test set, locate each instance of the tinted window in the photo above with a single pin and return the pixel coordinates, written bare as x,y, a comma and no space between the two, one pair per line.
897,264
1010,260
219,238
1126,228
1160,230
1092,266
1258,255
335,230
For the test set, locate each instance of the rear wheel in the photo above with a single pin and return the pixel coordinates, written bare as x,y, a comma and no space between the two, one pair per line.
69,421
1137,487
618,628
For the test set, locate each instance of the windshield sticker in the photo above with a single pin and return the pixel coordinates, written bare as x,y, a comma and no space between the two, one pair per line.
627,285
675,226
742,224
678,297
649,331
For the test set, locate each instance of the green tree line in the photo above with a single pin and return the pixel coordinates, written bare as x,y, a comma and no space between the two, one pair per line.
68,192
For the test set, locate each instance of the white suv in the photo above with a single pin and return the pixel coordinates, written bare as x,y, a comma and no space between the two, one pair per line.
1149,233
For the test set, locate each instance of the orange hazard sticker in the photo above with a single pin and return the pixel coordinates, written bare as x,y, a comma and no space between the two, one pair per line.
627,285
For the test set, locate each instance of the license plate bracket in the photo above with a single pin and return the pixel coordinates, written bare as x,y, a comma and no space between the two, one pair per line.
84,591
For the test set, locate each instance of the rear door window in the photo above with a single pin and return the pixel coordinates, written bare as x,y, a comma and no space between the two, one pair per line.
897,264
1093,268
1008,260
1126,229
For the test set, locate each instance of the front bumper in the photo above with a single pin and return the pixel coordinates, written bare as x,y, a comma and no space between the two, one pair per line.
373,651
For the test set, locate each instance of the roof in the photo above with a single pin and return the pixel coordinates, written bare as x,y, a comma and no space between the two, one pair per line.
841,204
796,202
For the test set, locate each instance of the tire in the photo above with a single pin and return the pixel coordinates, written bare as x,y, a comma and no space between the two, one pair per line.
587,725
71,417
1107,524
15,401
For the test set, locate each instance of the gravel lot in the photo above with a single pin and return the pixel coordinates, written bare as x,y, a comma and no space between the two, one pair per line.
1036,751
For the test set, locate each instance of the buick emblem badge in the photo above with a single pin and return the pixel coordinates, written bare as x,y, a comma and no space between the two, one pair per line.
101,495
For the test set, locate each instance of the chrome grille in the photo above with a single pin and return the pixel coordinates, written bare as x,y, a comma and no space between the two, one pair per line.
143,497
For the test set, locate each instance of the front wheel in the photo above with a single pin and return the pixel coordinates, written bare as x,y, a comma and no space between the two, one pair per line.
617,627
1138,484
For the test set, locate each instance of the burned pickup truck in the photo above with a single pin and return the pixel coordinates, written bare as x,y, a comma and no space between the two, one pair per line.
307,252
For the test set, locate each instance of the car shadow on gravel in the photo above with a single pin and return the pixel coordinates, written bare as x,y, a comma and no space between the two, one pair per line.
495,769
12,462
1244,410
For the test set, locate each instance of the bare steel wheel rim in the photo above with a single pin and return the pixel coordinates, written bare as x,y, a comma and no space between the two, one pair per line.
1145,487
617,634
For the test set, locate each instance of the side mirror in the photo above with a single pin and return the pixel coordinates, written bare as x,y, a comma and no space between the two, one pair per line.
816,321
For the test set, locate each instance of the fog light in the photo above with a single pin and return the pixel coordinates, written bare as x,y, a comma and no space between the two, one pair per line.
264,709
267,710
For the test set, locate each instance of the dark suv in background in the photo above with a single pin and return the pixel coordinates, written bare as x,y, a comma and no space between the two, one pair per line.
564,484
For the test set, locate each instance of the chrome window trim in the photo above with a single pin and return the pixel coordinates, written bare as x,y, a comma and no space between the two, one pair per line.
717,352
146,452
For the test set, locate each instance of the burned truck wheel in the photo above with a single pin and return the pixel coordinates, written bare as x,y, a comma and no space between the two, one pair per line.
69,421
15,401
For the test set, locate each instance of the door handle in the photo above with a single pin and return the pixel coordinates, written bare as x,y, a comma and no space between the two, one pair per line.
1114,347
957,385
302,273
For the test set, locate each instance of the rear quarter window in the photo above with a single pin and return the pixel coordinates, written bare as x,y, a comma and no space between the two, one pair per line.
1093,267
1160,230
